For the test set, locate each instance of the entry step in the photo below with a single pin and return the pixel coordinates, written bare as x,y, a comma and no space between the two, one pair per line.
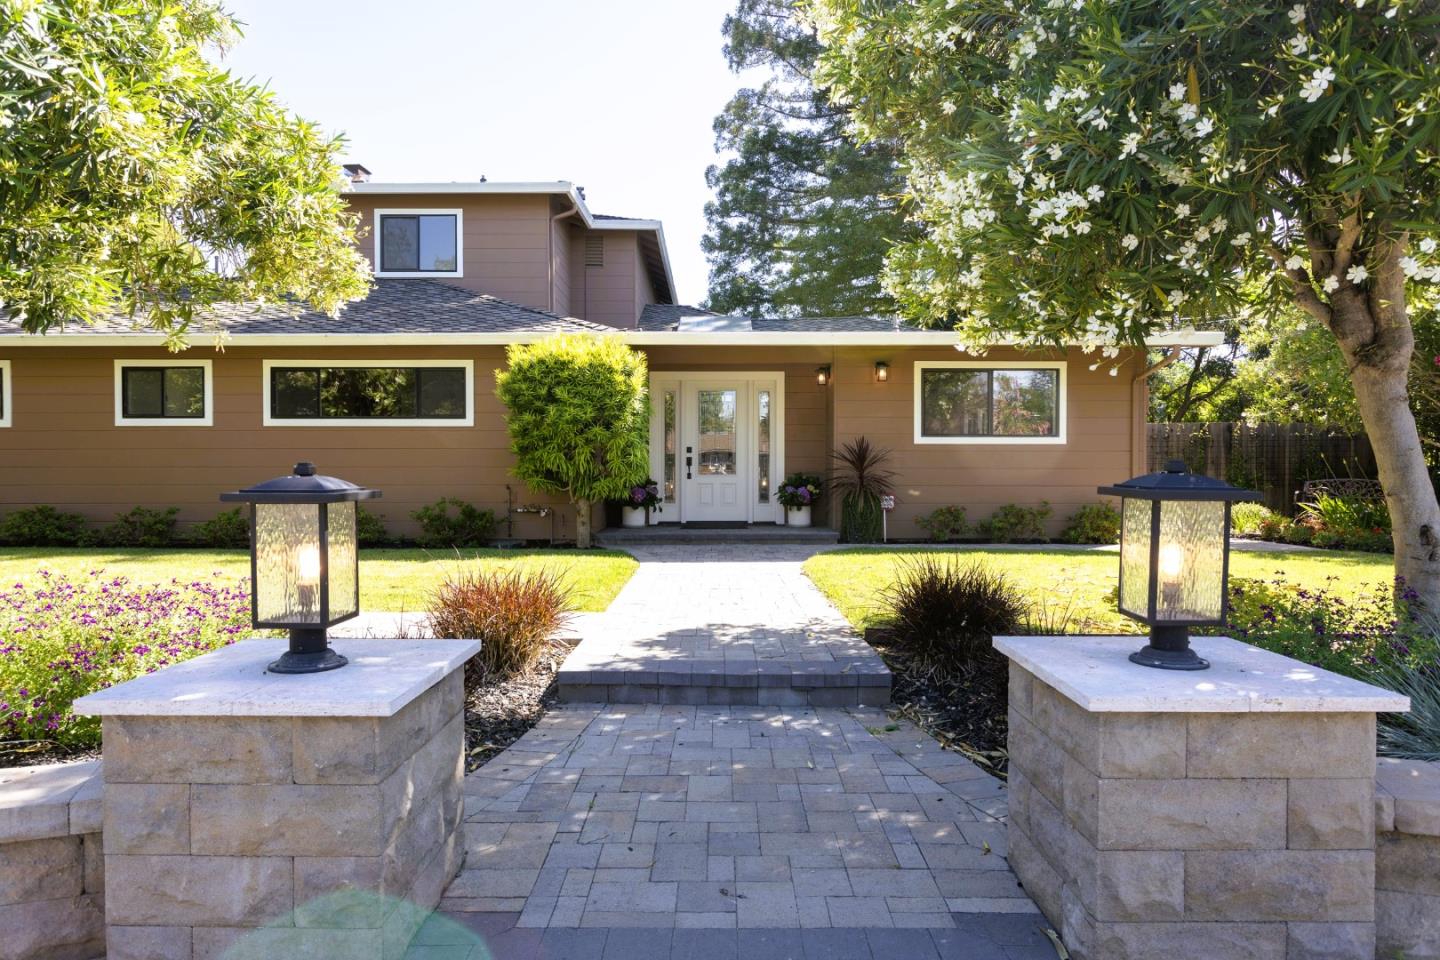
820,683
679,533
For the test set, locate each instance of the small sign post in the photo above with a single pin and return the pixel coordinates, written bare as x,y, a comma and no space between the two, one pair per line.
887,503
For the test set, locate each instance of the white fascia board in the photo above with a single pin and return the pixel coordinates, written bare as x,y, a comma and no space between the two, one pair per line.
487,186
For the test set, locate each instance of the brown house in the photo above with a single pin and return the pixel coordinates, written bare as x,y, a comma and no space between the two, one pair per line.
398,392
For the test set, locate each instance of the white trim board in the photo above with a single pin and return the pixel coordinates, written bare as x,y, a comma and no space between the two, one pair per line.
1062,414
6,393
208,420
456,212
267,420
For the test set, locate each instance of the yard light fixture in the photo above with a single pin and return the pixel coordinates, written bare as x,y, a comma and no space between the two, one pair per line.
304,562
882,371
1174,558
822,375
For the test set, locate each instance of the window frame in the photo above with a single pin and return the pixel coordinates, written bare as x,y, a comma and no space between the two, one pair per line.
268,419
456,212
7,392
206,420
1061,389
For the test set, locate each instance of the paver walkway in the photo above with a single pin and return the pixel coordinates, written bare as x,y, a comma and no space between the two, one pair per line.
733,833
723,624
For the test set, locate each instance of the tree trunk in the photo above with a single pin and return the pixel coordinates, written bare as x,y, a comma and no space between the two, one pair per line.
582,522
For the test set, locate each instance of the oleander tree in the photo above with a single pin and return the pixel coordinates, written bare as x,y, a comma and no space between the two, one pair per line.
578,414
1091,171
137,175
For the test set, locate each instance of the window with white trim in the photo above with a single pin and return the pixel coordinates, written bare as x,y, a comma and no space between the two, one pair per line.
418,243
4,393
163,393
366,394
977,402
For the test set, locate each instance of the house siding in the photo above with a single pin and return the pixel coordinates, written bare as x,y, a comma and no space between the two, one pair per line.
606,294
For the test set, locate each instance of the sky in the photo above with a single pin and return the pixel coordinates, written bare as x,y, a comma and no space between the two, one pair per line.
617,96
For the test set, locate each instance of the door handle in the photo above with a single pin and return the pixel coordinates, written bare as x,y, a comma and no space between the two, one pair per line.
688,462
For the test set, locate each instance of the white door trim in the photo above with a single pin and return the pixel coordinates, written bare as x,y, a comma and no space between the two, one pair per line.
748,381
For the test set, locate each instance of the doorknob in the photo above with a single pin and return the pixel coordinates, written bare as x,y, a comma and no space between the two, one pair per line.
688,462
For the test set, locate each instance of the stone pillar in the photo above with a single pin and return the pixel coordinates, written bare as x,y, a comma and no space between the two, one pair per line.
250,814
1228,813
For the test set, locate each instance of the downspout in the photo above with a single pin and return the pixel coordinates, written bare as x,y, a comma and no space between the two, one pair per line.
550,246
1140,404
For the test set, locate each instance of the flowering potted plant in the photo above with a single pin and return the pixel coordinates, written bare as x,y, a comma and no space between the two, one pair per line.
643,498
796,495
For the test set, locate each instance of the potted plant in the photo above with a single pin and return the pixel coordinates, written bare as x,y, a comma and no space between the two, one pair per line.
797,493
643,498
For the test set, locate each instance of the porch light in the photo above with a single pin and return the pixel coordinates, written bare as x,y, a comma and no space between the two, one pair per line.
1174,558
304,562
822,375
882,371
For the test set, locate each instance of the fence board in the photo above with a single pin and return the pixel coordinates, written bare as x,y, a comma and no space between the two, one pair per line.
1273,458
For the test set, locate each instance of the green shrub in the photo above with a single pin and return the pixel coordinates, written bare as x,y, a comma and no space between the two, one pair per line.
61,639
1093,523
1414,735
513,614
1248,519
140,527
227,529
1328,512
43,526
945,613
1016,524
449,522
944,524
370,528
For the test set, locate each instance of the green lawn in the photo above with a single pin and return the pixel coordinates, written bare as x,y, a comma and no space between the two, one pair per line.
390,580
1085,581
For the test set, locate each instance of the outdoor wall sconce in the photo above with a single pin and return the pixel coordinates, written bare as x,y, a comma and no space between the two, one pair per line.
822,375
882,371
1174,558
304,562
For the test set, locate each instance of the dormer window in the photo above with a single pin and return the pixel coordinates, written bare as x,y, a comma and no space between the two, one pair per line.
418,243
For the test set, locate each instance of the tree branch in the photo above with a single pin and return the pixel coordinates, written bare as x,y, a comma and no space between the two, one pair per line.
1304,291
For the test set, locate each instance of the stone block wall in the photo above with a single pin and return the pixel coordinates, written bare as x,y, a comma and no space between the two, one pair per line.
52,872
1407,860
1215,835
276,836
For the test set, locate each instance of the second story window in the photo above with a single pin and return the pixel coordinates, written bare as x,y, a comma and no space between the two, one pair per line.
418,243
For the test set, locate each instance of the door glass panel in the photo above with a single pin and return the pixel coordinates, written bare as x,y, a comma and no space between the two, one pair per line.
717,432
763,444
669,446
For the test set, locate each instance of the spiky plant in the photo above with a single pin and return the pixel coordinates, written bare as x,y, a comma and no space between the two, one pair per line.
861,478
1414,735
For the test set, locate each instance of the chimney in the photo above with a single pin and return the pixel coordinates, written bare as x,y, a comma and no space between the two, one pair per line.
356,172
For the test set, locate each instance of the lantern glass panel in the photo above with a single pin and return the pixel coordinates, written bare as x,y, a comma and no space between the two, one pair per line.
287,563
1190,569
344,592
1135,558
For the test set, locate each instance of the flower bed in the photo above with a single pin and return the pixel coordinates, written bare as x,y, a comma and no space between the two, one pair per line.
61,638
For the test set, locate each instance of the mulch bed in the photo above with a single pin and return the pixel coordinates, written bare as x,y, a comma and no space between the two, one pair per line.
500,711
27,753
963,709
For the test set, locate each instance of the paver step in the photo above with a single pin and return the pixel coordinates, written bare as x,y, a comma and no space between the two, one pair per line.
678,534
747,682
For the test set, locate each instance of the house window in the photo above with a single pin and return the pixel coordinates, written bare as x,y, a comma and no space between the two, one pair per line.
4,393
762,404
401,393
669,429
163,393
964,402
418,243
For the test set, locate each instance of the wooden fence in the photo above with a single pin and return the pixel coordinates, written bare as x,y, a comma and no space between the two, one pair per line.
1274,458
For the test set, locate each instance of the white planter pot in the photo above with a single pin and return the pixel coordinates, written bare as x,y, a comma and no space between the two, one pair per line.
633,516
797,516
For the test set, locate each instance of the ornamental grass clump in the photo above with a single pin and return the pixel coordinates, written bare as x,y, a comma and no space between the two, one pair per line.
61,639
945,613
512,613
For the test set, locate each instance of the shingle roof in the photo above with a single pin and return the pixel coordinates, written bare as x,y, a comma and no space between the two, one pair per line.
392,307
660,317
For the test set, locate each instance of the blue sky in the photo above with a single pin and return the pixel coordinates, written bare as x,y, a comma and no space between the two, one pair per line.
615,95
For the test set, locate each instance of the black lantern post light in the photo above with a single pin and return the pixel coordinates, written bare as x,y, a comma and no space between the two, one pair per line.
1174,558
304,562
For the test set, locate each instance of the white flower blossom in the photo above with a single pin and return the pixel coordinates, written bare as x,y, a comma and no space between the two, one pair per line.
1340,157
1129,241
1055,151
1240,239
1297,14
1183,210
1331,284
1204,127
1298,44
1356,274
1083,226
1296,262
1177,91
947,107
1428,245
1187,112
1314,88
1129,144
1410,266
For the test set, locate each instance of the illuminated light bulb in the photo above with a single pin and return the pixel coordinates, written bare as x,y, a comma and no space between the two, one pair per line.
1172,561
307,564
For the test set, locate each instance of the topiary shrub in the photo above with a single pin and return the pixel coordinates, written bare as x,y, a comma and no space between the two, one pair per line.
1093,523
513,614
945,613
449,523
944,524
43,526
1016,524
370,528
140,527
227,529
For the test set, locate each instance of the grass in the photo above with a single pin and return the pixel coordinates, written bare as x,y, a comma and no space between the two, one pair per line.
390,580
1083,581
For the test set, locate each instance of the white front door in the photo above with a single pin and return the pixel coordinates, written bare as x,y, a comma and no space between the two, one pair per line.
717,445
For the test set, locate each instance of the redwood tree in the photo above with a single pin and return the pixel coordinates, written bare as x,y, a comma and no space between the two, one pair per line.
1094,170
